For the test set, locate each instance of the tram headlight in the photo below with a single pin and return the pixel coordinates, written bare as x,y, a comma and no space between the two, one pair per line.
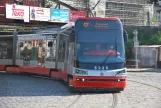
78,71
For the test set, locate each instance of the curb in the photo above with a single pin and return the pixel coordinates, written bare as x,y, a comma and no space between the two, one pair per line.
143,70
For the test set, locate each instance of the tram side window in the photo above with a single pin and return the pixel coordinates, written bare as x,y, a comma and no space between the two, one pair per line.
6,49
9,52
63,52
59,52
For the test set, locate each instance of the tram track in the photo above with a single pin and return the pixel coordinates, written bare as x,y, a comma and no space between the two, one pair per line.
115,100
75,101
145,84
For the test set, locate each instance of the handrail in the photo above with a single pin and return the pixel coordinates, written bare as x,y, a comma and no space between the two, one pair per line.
132,63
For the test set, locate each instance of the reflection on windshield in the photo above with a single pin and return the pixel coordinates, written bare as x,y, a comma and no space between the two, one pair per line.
90,52
99,49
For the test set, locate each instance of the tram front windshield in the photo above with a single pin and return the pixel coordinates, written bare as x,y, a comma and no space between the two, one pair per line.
93,46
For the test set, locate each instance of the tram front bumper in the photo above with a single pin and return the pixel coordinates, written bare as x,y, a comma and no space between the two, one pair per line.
102,82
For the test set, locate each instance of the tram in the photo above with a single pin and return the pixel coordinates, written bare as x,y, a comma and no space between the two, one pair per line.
87,54
92,54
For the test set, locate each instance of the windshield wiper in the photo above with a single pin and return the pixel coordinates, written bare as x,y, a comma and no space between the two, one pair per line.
116,47
104,61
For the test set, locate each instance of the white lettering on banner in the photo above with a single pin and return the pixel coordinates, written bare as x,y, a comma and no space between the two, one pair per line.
17,12
14,11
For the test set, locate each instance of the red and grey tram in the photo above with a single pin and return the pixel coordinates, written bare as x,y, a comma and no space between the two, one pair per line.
88,54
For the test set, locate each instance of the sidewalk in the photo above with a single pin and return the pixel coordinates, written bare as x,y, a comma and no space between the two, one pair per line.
143,70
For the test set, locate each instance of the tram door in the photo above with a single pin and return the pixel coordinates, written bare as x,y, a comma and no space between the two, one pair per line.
70,58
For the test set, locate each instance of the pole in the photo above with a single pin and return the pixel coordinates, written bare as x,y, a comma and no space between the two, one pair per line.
136,44
87,8
148,19
42,3
136,56
14,47
136,50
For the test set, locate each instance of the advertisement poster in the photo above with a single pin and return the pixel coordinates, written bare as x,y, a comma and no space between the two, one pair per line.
14,11
39,14
61,16
76,14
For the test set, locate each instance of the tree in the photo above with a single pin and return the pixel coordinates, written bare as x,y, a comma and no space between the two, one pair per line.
128,49
153,19
155,39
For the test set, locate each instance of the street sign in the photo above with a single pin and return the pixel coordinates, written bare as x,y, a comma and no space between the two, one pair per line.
136,44
135,32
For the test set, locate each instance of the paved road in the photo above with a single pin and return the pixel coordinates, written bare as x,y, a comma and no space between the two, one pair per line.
143,91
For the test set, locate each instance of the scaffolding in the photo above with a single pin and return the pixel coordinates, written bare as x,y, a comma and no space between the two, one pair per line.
130,12
78,4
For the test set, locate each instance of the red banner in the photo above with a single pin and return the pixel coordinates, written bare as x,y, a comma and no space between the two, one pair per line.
76,14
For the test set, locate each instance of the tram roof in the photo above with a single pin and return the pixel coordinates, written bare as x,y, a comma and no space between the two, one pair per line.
99,18
71,24
68,25
39,31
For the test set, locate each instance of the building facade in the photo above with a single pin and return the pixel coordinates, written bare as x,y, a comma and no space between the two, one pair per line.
131,12
157,15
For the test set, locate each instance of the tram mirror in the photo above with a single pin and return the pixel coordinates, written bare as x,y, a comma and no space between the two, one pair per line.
21,44
50,44
125,36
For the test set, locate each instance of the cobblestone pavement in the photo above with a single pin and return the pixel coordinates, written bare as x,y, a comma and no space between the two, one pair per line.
143,90
29,92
